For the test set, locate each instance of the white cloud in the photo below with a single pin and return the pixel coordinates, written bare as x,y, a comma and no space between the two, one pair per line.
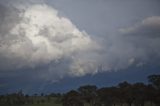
39,37
34,36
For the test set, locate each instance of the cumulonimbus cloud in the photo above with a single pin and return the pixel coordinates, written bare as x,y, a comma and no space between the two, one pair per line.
35,36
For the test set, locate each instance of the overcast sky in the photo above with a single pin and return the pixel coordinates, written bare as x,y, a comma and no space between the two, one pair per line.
44,42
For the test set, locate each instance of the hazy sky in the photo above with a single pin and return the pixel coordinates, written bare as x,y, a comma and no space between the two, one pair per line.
45,44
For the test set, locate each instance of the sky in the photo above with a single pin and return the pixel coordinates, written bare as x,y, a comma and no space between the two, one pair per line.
59,45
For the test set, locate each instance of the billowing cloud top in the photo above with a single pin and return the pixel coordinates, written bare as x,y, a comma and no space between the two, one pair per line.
36,35
33,36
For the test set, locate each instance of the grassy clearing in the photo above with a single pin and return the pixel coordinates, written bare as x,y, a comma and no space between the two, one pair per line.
48,104
44,104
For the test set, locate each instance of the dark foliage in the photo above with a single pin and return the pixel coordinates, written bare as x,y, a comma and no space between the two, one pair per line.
137,94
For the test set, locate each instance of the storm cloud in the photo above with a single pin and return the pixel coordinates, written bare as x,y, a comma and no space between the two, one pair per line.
34,36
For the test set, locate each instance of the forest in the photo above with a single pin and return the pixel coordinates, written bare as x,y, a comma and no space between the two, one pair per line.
123,94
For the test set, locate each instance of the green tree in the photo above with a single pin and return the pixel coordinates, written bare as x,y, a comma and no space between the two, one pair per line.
139,94
154,80
72,98
108,96
151,94
127,92
88,93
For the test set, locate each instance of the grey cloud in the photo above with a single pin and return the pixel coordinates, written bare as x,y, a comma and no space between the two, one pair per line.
33,36
138,44
149,27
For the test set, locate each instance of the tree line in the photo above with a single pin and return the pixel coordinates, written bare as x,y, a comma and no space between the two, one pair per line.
123,94
137,94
